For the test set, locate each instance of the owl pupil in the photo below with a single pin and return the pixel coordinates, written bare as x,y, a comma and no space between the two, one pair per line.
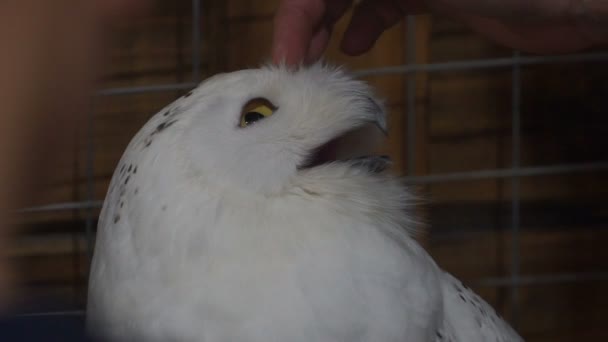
252,117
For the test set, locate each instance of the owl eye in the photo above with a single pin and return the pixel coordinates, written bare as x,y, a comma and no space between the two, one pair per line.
256,110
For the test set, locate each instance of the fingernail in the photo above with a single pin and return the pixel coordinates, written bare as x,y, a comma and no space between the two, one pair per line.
278,55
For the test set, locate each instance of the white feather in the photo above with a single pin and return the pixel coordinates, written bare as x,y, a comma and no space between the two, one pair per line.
211,232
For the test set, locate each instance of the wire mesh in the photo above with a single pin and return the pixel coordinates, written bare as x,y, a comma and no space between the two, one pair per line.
514,173
515,198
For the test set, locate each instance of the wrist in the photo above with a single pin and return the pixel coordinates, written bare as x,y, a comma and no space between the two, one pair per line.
591,20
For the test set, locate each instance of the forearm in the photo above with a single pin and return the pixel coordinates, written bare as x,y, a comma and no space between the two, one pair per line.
591,18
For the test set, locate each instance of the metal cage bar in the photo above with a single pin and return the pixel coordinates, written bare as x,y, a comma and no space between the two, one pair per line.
90,181
411,180
196,40
411,96
146,89
514,173
515,194
490,63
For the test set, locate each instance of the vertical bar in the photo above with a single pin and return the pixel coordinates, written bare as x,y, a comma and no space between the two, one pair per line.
515,194
411,96
90,185
196,40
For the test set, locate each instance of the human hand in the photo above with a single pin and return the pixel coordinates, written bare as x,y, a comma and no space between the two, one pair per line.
302,28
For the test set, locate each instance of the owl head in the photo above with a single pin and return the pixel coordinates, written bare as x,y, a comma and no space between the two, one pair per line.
257,129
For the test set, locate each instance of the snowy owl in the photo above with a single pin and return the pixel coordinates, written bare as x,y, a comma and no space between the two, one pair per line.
221,223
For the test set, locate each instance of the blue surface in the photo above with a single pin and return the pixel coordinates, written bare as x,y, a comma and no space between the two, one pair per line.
69,328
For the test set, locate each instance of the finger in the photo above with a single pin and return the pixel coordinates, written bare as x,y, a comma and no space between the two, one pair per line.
318,44
294,25
369,20
334,11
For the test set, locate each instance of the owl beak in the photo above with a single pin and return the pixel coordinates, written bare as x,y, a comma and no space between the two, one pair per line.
380,122
379,117
373,164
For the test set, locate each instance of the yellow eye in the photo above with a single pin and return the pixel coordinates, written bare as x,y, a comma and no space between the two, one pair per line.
255,110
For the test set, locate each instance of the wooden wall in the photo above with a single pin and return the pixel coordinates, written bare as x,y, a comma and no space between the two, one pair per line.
463,123
563,217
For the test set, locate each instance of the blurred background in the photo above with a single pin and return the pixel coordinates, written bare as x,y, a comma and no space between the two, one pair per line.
508,150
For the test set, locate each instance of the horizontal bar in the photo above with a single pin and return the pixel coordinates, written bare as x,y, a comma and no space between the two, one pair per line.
146,89
483,64
562,278
51,314
507,173
63,206
468,235
429,179
548,279
402,69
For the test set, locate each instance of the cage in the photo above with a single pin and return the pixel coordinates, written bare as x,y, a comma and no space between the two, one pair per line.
507,148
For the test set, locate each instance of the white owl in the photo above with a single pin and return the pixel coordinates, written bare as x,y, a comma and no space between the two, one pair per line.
221,224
